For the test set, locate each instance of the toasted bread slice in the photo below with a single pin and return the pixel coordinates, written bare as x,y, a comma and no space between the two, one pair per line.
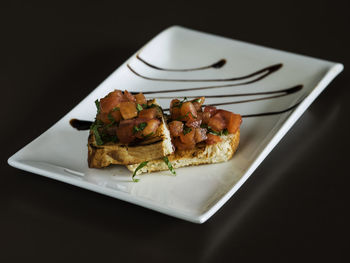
202,154
155,147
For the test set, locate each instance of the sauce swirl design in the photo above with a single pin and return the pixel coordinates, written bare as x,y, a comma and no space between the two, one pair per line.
237,81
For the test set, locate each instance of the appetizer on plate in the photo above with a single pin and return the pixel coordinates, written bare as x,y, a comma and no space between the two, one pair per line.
128,129
201,135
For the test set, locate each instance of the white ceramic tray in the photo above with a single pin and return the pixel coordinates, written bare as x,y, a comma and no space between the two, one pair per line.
283,87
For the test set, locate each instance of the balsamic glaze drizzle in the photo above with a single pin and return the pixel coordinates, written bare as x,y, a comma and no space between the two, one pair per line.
257,75
260,74
80,125
219,64
284,91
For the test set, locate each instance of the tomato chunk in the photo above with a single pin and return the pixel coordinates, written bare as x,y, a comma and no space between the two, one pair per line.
128,110
175,127
103,117
175,109
112,100
179,145
212,139
150,113
205,117
188,138
129,97
211,109
200,135
188,111
140,99
193,123
233,121
116,115
151,128
217,123
198,102
125,131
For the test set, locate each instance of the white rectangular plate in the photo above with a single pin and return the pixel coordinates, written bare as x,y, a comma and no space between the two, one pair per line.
196,193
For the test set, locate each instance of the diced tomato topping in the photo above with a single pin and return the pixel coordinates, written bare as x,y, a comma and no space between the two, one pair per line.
140,99
103,117
116,115
150,113
217,123
188,138
179,145
175,114
176,128
151,128
129,97
128,110
233,121
174,109
112,100
125,131
188,111
212,139
211,109
194,123
205,117
200,135
197,103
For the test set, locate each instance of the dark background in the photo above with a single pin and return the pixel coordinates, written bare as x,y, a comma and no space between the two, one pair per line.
293,208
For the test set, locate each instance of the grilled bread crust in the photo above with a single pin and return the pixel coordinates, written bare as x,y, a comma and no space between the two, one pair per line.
202,154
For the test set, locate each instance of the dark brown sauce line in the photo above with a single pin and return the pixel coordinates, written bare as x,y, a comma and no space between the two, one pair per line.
285,91
265,71
219,64
271,112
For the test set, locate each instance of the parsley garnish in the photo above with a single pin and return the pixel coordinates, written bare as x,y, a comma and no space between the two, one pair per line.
223,132
98,139
141,126
168,163
197,100
110,117
98,106
179,104
186,130
141,165
115,109
139,107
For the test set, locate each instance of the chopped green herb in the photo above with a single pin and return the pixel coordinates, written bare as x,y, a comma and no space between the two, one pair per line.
98,139
179,104
110,117
141,126
98,106
139,107
115,109
145,106
186,130
141,165
197,100
223,132
168,163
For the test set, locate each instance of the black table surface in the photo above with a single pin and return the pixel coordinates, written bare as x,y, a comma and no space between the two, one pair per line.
293,208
